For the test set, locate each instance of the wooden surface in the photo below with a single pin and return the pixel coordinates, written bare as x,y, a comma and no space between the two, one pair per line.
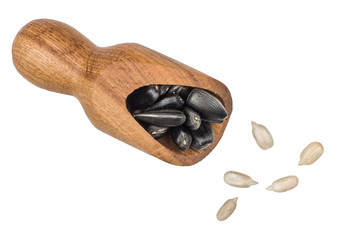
56,57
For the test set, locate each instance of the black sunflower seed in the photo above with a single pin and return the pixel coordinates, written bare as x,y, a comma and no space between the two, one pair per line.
164,117
142,97
193,119
207,105
156,131
182,91
182,137
202,137
163,89
169,102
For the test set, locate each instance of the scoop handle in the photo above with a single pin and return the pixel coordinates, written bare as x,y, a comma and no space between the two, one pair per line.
52,55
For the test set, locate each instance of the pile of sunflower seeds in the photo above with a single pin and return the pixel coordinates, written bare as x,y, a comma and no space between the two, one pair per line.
264,140
184,111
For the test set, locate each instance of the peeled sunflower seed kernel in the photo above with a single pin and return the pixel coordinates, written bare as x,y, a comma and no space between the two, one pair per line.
262,136
237,179
207,105
227,209
311,153
284,184
165,117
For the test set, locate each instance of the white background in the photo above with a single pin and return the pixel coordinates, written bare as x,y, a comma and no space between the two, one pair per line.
61,178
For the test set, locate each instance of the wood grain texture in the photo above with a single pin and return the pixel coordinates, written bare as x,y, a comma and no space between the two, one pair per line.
56,57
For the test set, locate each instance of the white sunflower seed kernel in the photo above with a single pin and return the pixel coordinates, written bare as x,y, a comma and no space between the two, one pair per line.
227,209
284,184
311,153
262,136
237,179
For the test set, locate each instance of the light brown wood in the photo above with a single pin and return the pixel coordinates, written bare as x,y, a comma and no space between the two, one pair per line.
56,57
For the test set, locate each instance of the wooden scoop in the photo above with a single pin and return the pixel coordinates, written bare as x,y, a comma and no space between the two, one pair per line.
56,57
